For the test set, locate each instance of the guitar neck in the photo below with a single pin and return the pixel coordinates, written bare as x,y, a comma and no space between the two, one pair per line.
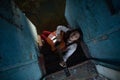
66,70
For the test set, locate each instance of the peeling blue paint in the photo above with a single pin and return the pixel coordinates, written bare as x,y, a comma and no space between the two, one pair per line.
18,45
100,27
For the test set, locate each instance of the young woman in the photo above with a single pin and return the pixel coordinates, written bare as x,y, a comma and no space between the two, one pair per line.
71,38
67,39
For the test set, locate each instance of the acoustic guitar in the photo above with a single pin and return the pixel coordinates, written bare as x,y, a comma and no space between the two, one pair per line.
52,39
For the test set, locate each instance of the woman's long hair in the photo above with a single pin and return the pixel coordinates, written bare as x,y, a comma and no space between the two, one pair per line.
67,35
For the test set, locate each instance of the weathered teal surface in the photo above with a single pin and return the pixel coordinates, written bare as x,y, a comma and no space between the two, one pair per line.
99,21
83,71
18,45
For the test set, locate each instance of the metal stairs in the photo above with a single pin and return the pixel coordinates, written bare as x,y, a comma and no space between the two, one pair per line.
83,71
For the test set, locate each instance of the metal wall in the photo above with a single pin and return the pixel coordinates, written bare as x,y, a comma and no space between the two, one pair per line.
99,21
18,45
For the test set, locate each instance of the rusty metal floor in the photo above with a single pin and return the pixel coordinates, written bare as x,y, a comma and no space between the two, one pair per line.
84,71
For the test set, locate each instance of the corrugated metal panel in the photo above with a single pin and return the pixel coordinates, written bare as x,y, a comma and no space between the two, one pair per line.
100,26
18,45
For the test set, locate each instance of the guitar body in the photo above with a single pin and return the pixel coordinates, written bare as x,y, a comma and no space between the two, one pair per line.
51,39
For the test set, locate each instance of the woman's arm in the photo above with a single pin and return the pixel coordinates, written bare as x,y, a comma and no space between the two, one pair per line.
58,31
71,50
61,28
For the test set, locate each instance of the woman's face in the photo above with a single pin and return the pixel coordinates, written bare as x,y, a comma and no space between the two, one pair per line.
74,36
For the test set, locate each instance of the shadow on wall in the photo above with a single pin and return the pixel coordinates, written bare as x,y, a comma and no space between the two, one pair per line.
44,14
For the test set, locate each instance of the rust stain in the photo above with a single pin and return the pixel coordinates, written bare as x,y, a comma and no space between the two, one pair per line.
31,57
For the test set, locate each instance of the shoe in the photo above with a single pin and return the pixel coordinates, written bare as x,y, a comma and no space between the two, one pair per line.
62,64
